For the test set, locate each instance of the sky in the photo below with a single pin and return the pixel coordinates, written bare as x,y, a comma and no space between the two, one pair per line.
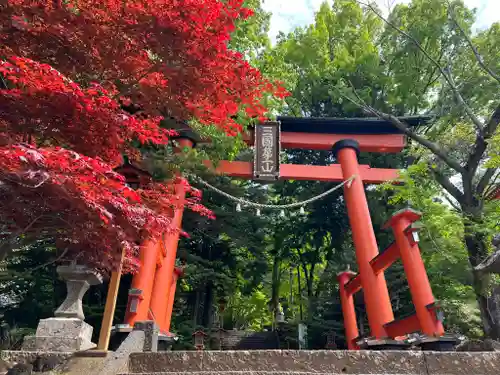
288,14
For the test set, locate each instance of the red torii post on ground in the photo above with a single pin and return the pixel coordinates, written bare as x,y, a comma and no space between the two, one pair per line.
166,275
149,295
348,310
427,319
178,272
406,240
377,300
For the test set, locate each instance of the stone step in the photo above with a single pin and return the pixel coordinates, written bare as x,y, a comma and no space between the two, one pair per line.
318,362
250,373
242,340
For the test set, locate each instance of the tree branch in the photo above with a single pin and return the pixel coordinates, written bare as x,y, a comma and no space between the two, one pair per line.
492,124
443,72
452,204
50,262
3,247
482,142
433,147
447,185
485,180
478,56
476,155
478,124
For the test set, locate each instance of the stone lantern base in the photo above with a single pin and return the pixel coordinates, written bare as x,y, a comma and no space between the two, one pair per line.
67,331
61,335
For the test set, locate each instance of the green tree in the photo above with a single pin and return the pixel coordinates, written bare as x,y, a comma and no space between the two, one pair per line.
350,47
435,64
251,34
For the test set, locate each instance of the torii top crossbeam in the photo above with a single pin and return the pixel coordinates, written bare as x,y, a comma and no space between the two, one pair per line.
318,133
372,134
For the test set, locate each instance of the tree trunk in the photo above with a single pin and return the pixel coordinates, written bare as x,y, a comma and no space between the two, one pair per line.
489,303
207,318
275,285
489,306
196,307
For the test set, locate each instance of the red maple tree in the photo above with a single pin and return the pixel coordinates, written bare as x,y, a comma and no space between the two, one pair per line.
69,73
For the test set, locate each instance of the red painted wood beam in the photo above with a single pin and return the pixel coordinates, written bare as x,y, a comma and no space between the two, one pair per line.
384,143
403,326
325,173
379,264
384,260
354,285
411,323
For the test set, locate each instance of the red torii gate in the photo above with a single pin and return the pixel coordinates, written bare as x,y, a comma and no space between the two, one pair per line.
151,296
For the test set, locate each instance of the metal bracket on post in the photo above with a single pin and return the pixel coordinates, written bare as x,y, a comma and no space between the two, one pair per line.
135,296
412,233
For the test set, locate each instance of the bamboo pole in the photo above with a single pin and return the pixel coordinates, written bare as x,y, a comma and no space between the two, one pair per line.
109,309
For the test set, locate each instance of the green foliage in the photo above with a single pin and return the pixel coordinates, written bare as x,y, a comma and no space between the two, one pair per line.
312,60
248,313
250,37
28,292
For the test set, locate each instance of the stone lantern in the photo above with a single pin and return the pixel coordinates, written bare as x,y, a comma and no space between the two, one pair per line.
67,331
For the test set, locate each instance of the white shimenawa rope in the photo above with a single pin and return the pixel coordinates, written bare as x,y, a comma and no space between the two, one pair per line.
244,202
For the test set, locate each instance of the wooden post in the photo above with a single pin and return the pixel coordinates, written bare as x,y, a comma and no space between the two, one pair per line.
418,281
348,310
164,276
171,298
376,295
109,309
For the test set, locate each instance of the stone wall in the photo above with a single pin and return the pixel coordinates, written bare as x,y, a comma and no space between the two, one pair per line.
16,356
321,361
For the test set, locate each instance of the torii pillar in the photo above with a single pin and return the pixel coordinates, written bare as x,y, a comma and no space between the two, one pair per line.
418,281
166,274
178,272
376,294
149,293
348,310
